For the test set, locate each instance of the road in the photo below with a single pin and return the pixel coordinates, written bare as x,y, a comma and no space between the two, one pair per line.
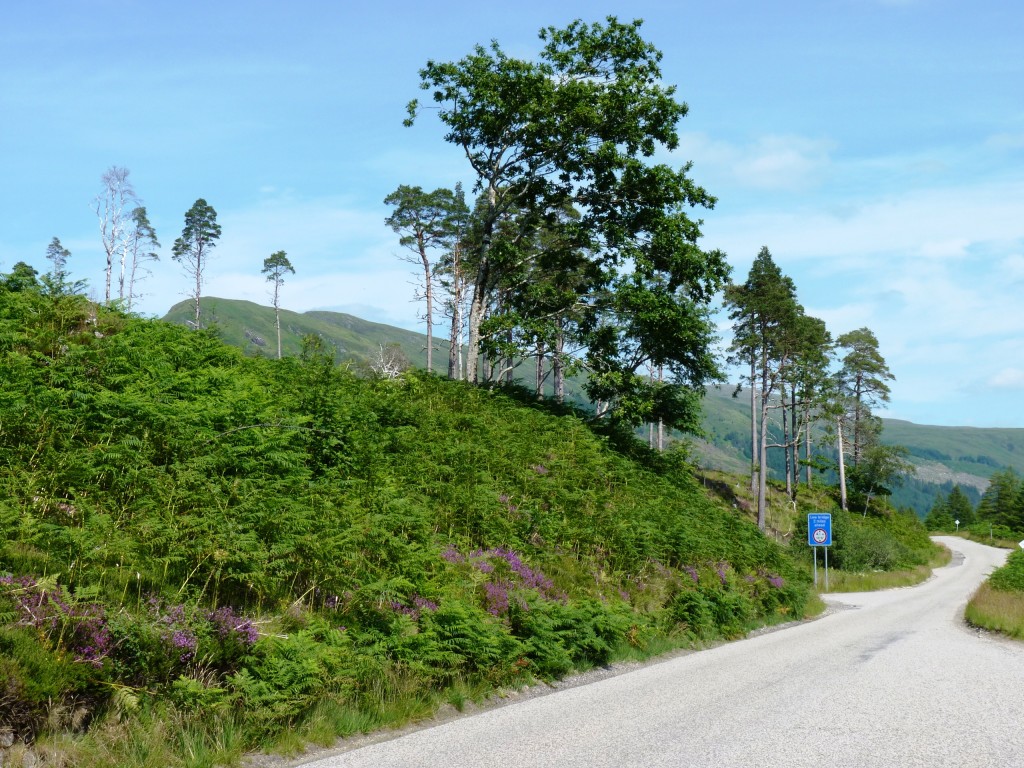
888,679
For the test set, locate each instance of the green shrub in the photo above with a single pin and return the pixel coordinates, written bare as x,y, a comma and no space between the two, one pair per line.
1010,577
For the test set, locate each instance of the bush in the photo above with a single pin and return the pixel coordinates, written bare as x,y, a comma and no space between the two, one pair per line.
1010,577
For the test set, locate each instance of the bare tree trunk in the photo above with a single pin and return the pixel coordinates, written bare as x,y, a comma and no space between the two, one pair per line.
753,424
277,315
557,367
428,294
540,370
455,336
807,446
842,467
477,308
661,421
762,468
786,440
795,434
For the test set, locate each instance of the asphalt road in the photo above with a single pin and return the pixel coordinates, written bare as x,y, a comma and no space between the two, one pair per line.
888,679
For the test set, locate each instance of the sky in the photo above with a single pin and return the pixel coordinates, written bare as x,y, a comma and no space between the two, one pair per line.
876,147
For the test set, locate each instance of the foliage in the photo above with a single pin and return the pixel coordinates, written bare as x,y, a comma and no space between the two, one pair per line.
888,542
1010,577
241,540
569,202
192,249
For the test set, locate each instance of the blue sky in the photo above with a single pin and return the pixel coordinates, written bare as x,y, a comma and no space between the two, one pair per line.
875,146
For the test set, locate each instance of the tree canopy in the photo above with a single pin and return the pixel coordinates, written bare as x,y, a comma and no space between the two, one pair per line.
575,130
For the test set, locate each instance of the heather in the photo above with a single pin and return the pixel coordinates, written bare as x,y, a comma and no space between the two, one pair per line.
254,548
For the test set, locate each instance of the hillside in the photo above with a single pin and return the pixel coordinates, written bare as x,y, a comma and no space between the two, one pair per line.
204,550
944,456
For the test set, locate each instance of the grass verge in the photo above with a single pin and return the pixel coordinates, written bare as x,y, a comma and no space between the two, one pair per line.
846,581
996,610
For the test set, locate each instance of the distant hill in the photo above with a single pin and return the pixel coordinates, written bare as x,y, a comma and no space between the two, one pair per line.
251,326
944,456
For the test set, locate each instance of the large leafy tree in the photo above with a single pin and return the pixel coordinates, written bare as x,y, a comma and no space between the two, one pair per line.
577,129
192,249
275,267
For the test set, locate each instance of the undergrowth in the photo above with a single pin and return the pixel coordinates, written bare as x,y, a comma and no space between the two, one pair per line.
203,553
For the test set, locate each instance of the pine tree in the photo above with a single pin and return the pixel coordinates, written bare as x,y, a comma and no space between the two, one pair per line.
192,249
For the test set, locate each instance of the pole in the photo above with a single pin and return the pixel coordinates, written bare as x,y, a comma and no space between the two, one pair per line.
815,550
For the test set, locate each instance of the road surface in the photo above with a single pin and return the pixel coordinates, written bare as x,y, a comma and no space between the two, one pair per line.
888,679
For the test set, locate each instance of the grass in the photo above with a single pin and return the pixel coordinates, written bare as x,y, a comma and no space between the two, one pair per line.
846,581
997,610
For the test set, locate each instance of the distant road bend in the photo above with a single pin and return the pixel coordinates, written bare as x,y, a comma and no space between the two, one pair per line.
888,679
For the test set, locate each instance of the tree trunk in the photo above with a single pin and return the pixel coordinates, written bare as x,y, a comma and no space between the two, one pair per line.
753,424
762,468
795,434
428,294
842,467
785,441
661,421
807,446
557,369
455,336
540,370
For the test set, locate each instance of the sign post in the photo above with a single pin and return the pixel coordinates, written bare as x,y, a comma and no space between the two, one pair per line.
819,534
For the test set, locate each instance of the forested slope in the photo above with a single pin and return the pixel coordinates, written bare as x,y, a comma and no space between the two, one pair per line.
234,544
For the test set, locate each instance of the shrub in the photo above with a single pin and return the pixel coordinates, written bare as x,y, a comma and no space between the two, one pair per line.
1010,577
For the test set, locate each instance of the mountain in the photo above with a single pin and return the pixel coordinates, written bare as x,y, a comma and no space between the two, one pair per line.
943,456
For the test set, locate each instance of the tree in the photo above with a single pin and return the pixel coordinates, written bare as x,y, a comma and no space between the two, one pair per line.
862,380
59,256
959,507
939,517
22,277
883,466
765,312
576,129
112,206
275,266
809,385
142,248
426,221
1001,502
192,249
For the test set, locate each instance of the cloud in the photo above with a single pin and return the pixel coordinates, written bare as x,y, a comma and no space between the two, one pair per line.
772,162
1007,378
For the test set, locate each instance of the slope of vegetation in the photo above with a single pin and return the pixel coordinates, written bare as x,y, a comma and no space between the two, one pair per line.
999,603
203,552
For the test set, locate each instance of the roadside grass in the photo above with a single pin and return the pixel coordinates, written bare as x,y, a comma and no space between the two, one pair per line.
997,610
846,581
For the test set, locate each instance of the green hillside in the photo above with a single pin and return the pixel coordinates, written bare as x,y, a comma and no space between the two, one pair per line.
203,551
251,327
943,456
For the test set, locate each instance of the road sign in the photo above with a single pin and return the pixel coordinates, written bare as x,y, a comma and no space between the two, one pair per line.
1021,545
819,529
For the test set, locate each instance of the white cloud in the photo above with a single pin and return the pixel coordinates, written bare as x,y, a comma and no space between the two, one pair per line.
767,163
1008,378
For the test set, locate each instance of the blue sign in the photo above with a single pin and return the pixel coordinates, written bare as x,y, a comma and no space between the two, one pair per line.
819,529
